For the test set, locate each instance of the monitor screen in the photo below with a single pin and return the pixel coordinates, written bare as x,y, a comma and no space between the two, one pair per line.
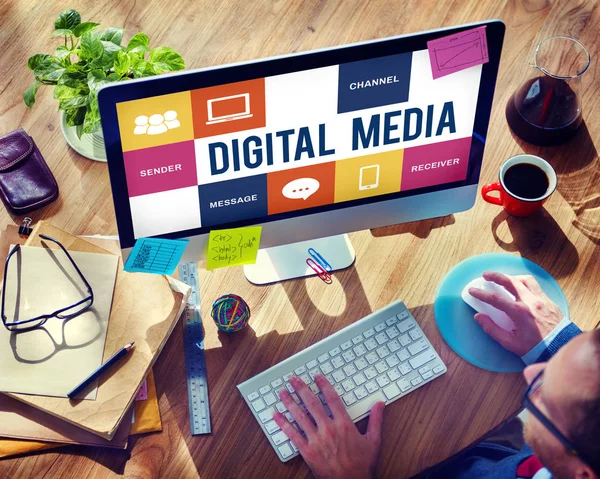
297,142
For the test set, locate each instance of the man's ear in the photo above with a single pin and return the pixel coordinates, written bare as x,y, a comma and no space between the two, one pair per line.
583,471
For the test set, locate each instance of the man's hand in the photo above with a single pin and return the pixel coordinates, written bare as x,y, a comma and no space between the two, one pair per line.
533,313
331,446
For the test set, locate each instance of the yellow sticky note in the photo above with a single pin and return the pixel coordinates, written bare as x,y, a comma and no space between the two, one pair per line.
233,247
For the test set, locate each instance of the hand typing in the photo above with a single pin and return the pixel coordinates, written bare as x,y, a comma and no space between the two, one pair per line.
532,312
331,446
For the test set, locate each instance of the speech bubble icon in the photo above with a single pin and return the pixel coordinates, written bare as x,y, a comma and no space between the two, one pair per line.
300,188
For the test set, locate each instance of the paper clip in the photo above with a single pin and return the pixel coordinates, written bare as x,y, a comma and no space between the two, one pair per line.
319,259
321,273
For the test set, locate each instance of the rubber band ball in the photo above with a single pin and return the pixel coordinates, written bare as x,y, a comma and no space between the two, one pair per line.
230,313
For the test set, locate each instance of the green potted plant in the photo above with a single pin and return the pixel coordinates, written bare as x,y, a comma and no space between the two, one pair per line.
86,60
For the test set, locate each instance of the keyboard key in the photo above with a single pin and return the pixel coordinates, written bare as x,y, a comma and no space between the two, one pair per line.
339,389
311,365
371,387
265,389
348,385
335,352
402,315
294,448
258,405
381,338
394,345
272,427
329,378
372,358
326,367
322,358
381,367
350,370
391,391
306,379
404,385
270,399
290,388
279,438
337,362
285,451
382,381
404,339
357,339
281,407
383,352
371,344
266,415
392,360
403,355
349,399
360,364
380,327
416,381
361,407
277,391
289,417
253,396
392,333
313,373
422,359
424,369
393,374
295,398
405,369
359,379
360,350
427,375
278,382
339,376
300,370
287,376
438,369
405,325
347,345
417,347
361,393
393,320
416,334
370,372
349,356
314,388
368,333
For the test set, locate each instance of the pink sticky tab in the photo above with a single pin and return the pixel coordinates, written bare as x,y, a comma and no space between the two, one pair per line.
142,394
458,52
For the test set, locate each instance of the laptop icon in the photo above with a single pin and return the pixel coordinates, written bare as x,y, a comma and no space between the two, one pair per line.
228,108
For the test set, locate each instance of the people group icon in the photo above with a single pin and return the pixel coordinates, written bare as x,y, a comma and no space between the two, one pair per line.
156,124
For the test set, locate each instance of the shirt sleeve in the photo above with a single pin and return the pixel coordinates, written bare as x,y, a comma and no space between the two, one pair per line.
547,347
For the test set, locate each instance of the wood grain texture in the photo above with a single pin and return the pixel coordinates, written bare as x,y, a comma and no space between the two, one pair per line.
405,261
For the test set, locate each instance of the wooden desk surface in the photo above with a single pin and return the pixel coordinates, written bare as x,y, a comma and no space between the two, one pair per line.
406,261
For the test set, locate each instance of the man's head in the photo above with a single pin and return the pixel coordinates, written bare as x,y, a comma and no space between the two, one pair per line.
569,397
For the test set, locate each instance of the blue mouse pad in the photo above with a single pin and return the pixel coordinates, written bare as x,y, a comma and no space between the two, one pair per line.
455,320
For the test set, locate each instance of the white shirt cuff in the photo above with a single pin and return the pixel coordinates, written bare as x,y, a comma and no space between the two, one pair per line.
534,353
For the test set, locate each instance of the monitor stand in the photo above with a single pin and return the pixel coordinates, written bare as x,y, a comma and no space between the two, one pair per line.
289,261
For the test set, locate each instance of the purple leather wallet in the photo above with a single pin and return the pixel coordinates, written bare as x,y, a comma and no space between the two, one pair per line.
26,182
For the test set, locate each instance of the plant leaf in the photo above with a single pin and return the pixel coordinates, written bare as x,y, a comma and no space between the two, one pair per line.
142,68
64,92
122,64
36,60
75,116
108,57
91,48
62,52
74,76
84,28
50,69
165,59
113,77
112,34
61,32
67,19
75,102
138,40
29,94
92,123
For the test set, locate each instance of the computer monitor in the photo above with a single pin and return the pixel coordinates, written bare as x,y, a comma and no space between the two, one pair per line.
310,145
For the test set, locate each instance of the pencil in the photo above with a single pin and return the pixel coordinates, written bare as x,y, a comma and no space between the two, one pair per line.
107,365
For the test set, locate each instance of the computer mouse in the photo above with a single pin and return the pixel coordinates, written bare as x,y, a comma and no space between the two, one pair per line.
499,317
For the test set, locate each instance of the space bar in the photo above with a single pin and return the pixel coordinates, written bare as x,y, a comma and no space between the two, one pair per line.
359,408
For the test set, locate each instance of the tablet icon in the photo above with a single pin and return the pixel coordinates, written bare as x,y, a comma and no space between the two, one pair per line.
301,188
228,108
368,177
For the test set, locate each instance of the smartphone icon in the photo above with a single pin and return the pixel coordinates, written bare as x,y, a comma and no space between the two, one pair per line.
369,177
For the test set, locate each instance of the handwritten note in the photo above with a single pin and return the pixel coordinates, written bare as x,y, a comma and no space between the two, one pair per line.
155,255
233,247
457,52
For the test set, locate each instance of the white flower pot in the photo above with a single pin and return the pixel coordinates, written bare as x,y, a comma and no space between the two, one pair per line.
89,145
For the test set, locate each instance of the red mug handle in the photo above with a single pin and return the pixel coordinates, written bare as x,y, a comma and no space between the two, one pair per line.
487,189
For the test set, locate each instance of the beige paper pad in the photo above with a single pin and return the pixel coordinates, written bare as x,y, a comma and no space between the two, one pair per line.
53,359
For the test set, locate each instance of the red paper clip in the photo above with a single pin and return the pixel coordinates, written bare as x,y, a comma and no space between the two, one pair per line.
317,268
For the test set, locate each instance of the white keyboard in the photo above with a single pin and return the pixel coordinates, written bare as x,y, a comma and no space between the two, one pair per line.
381,357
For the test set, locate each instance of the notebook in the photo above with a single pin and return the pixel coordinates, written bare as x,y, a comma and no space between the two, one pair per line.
145,309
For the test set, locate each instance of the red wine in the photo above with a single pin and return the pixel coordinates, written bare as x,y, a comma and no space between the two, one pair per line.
526,181
544,111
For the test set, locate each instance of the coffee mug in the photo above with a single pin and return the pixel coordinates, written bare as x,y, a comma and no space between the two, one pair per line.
526,182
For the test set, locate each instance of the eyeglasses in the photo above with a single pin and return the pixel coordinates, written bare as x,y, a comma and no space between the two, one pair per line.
531,407
67,312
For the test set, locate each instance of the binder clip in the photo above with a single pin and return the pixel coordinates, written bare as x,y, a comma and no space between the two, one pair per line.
25,230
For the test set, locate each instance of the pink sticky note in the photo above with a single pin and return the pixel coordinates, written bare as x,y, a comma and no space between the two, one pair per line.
142,394
457,52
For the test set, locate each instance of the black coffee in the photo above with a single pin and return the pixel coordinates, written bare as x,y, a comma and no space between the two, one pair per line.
526,180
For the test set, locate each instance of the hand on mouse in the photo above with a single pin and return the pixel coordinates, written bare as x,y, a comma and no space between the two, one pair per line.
533,313
332,446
